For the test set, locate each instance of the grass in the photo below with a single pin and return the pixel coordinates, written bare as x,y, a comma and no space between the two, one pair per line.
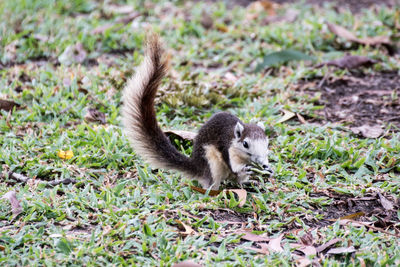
123,212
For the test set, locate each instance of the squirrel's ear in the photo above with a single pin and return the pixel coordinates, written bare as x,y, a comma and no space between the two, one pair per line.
261,125
238,130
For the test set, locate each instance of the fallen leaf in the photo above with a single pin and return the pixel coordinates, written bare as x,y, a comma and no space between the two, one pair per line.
124,20
289,17
346,34
229,76
368,131
249,236
354,223
93,115
328,244
241,193
186,135
281,57
341,250
102,28
2,248
275,244
353,216
308,250
386,204
349,62
287,115
73,54
257,8
263,250
211,193
8,105
222,27
187,229
124,9
68,154
301,118
15,206
187,263
303,262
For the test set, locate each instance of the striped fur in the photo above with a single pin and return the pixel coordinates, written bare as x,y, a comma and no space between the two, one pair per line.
139,116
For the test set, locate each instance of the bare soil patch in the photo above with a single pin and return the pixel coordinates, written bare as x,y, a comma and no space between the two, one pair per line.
357,208
353,5
360,100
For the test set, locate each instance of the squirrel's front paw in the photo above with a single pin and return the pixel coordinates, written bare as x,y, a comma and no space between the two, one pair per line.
248,169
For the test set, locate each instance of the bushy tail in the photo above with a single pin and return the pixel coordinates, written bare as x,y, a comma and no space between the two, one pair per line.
139,117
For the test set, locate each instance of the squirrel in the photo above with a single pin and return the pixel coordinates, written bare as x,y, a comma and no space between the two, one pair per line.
224,148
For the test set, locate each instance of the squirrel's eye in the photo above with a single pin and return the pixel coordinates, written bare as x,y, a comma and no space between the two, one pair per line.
245,144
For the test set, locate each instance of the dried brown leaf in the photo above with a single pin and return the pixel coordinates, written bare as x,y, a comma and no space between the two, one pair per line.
8,105
368,131
249,236
262,250
346,34
275,244
328,244
187,229
102,28
349,62
186,135
308,250
123,9
341,250
242,195
303,262
354,223
287,115
187,263
289,17
301,118
230,77
386,204
255,9
211,193
353,216
15,206
128,18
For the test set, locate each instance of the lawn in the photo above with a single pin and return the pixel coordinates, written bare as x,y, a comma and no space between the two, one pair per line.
324,80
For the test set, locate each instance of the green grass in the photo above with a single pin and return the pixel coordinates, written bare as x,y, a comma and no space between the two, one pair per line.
122,212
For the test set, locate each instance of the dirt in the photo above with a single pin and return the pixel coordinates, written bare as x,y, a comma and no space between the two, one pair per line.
353,5
342,207
360,99
356,208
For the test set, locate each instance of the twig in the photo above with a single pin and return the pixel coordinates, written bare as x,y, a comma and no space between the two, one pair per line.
63,181
24,179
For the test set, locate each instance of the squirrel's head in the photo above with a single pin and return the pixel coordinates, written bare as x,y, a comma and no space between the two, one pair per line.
252,143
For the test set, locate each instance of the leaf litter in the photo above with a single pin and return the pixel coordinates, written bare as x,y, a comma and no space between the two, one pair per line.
368,103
